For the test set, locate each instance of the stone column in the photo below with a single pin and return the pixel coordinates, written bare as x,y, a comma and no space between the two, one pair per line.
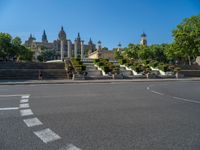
75,48
69,49
62,50
82,49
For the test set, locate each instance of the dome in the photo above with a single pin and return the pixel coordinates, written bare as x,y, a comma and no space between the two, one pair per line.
143,35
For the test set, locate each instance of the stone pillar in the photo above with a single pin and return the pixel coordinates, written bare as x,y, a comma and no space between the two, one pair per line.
62,50
75,48
69,49
82,49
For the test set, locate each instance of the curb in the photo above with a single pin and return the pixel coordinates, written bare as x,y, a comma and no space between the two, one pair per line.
36,82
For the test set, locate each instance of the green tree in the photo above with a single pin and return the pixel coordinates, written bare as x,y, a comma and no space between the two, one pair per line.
157,52
5,45
16,47
145,53
25,54
13,48
187,38
132,51
46,55
105,48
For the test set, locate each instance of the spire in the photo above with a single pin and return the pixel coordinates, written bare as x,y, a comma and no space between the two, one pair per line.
31,38
90,42
44,37
79,36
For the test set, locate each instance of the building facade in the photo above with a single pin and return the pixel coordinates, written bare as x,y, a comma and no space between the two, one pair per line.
62,47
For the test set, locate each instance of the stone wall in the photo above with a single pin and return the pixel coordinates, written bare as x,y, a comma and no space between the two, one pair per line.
27,71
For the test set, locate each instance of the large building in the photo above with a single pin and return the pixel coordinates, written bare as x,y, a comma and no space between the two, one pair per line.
62,47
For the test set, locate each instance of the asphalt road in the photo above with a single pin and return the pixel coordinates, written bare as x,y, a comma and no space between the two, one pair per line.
101,116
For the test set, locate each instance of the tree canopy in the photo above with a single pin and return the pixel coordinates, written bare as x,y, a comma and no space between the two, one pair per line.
12,49
187,38
184,48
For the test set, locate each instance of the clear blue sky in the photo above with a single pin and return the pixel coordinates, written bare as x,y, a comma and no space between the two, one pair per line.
111,21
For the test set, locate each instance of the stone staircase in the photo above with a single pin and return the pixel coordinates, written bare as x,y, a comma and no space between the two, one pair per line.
30,71
127,74
92,72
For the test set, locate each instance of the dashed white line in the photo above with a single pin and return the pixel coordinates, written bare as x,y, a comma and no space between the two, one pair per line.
47,135
10,108
174,97
24,100
157,93
70,147
26,112
24,105
32,122
25,96
187,100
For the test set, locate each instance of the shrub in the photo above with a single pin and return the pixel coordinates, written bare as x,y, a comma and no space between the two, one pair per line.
78,65
137,68
164,67
146,62
83,68
171,67
122,61
96,60
177,69
154,64
116,70
105,69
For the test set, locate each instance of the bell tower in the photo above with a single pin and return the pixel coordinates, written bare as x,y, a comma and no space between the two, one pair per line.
143,41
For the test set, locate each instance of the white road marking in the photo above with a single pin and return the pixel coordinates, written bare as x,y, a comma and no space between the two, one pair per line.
10,108
47,135
11,95
187,100
157,93
70,147
24,100
26,112
32,122
24,105
25,96
148,88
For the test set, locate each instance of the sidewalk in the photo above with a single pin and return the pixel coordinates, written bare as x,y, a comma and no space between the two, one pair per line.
27,82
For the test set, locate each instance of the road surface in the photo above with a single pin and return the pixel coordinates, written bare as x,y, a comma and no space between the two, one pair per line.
101,116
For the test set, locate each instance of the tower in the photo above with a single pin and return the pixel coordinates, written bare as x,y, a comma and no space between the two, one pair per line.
119,47
99,45
78,37
31,40
77,46
44,37
143,41
91,46
62,37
